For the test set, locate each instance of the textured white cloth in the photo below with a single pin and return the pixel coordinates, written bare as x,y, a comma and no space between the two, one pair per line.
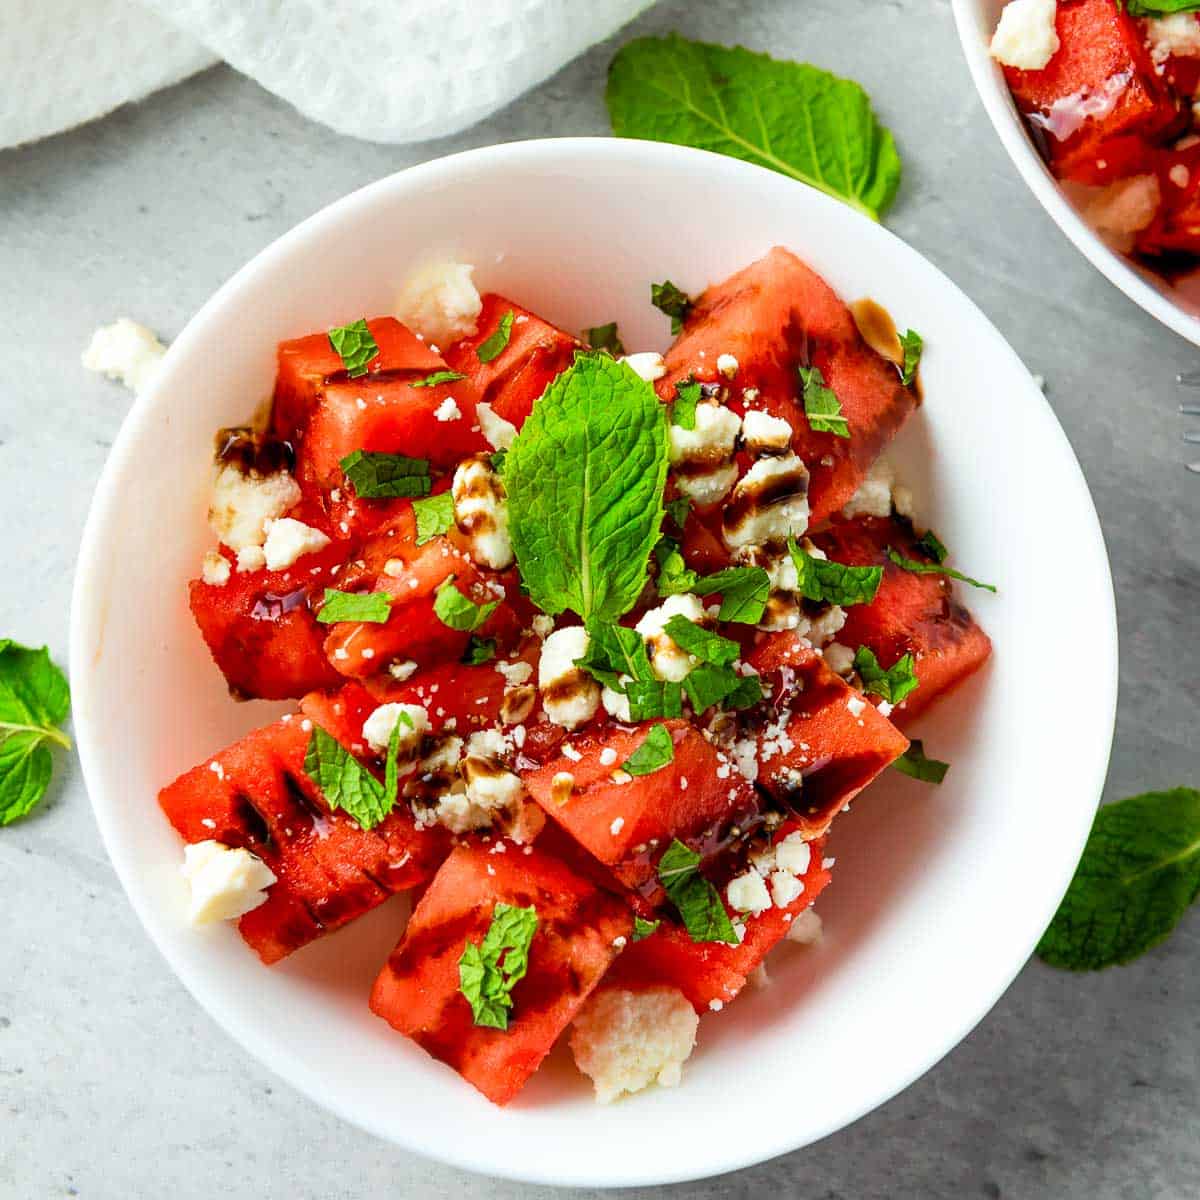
386,70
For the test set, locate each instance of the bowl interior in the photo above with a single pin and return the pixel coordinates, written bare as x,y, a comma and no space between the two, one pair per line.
937,900
1176,302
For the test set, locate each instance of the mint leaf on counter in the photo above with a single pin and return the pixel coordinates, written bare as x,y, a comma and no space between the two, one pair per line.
788,116
355,346
585,480
377,476
371,607
1139,873
655,752
489,970
669,300
34,702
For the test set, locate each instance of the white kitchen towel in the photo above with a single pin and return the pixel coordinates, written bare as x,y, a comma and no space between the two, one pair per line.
385,70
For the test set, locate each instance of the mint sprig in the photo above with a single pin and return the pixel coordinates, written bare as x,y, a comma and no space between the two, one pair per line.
699,905
34,702
378,476
821,406
435,516
355,346
585,480
1139,873
489,970
346,783
370,607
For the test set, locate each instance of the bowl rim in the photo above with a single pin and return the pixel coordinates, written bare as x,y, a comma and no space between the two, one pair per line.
1002,112
87,621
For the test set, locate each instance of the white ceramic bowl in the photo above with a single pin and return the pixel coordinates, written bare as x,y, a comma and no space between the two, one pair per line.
940,893
1175,307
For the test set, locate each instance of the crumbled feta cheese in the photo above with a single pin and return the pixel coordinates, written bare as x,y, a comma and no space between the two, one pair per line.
784,888
805,928
703,457
616,704
214,569
225,883
489,784
727,365
745,758
125,351
625,1041
748,893
251,558
838,658
756,523
1026,37
765,434
377,729
1177,34
874,495
288,540
902,500
515,673
481,511
618,823
402,670
649,365
569,696
440,302
243,504
667,660
448,410
543,626
499,432
793,854
856,704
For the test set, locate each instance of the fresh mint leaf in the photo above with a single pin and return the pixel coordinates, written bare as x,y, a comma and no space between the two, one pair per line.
371,607
1159,8
923,568
913,762
747,693
1139,873
479,650
707,685
435,516
585,481
438,377
931,545
605,337
34,702
674,575
494,345
707,646
831,582
460,612
699,905
822,408
489,970
650,698
678,510
655,752
787,116
615,651
894,684
643,928
376,476
498,460
744,593
683,407
346,783
355,346
912,344
669,300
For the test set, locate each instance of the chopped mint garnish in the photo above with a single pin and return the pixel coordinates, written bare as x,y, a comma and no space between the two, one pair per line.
821,406
912,345
655,752
494,345
643,929
346,783
668,299
931,545
913,762
683,407
894,684
699,905
438,377
489,970
678,510
923,568
831,582
605,337
372,607
386,476
479,650
355,347
744,593
435,516
707,646
458,611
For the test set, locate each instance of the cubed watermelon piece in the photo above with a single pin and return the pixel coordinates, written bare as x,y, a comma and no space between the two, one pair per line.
911,613
1176,226
775,316
255,794
261,630
822,743
535,354
305,365
627,825
710,974
1100,84
417,992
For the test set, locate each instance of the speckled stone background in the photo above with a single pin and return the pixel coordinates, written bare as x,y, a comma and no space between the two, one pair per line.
114,1085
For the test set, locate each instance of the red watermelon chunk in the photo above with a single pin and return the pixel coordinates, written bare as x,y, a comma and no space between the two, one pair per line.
1176,227
536,353
911,614
710,974
417,992
777,315
823,743
329,869
627,825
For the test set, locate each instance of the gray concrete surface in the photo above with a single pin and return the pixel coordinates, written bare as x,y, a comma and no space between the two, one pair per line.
113,1083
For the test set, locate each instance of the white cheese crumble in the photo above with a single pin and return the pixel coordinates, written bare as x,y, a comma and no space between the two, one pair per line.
616,704
515,673
490,787
625,1041
855,705
440,302
125,351
448,410
748,893
500,433
402,670
1177,34
225,883
569,696
214,569
377,728
765,434
288,540
481,511
251,558
727,365
649,365
874,495
1026,37
243,504
667,660
707,452
827,626
757,523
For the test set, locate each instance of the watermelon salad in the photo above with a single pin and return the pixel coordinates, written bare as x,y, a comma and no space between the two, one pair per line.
1110,100
588,649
